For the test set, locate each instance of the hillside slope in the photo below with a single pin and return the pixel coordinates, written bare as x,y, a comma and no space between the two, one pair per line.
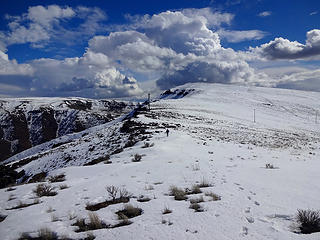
213,142
28,122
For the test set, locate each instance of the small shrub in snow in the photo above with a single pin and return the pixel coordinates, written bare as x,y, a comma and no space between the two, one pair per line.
124,193
129,211
309,221
90,236
214,196
44,190
178,193
147,145
143,199
57,178
197,200
166,210
204,183
94,222
136,158
112,191
269,166
195,189
81,224
197,207
47,234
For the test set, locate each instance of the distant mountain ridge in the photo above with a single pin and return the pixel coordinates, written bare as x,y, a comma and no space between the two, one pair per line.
28,122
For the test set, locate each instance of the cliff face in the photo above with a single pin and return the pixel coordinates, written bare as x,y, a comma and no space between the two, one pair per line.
25,123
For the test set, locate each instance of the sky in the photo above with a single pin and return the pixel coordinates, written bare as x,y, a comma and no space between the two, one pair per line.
125,49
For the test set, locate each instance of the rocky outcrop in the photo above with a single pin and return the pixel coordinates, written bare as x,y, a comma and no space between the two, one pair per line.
25,123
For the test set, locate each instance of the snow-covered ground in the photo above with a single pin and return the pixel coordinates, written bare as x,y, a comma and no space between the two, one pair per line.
213,137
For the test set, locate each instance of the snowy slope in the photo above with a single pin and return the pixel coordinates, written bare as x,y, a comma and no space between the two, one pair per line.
28,122
212,137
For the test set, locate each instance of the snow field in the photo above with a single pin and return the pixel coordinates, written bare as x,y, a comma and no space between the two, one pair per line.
256,202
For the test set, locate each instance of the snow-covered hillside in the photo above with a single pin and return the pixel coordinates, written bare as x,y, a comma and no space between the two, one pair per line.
27,122
252,152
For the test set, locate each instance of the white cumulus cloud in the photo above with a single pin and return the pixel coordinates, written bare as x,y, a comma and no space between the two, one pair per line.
265,14
281,48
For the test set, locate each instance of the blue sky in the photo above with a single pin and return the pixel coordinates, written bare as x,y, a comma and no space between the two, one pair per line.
125,48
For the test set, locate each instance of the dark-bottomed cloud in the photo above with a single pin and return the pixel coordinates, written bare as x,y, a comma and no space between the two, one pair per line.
281,48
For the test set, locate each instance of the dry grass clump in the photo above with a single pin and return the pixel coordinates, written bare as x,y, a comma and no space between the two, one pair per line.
195,189
178,193
309,221
197,200
143,199
136,158
197,207
115,192
43,234
129,211
118,195
44,190
214,196
166,210
57,178
47,234
94,223
269,166
204,183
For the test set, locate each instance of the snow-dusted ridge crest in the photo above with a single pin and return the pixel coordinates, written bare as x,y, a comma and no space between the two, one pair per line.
255,151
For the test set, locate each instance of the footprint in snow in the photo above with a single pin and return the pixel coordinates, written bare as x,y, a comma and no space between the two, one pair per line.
256,203
250,219
245,231
247,210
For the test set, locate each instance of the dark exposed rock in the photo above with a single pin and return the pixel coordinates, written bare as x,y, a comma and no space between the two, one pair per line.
21,131
32,122
5,149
